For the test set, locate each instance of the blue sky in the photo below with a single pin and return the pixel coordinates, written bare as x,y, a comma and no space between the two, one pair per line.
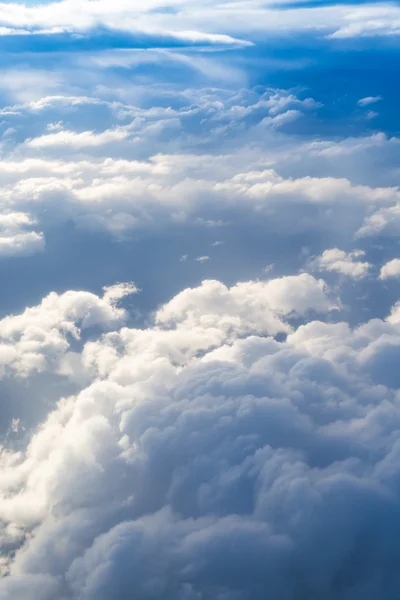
199,316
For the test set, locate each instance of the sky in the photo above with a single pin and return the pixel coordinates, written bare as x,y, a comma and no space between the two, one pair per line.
199,307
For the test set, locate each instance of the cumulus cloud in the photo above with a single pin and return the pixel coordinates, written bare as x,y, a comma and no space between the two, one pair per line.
391,269
15,239
283,296
207,459
36,339
342,262
21,243
121,194
239,438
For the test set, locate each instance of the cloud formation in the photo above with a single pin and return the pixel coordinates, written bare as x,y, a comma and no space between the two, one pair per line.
391,269
345,263
200,22
231,432
14,237
111,178
206,458
36,339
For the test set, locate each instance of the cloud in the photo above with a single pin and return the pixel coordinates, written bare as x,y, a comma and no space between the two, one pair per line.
36,339
56,18
225,439
55,126
371,114
369,100
21,243
370,21
263,301
234,22
200,458
14,239
346,264
77,140
29,85
281,119
202,258
390,269
121,194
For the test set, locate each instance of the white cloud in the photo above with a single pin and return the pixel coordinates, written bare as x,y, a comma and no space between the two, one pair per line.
264,173
371,114
390,269
53,18
36,339
200,457
369,100
202,259
120,195
12,244
77,140
55,126
262,301
345,263
369,21
29,85
44,102
199,24
281,119
14,239
230,446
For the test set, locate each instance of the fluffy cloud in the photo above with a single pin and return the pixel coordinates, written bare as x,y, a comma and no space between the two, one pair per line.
36,339
121,194
342,262
263,301
119,184
15,239
207,459
222,441
391,269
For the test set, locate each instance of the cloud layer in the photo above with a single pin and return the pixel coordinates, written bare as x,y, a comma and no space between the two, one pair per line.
199,22
231,432
204,458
